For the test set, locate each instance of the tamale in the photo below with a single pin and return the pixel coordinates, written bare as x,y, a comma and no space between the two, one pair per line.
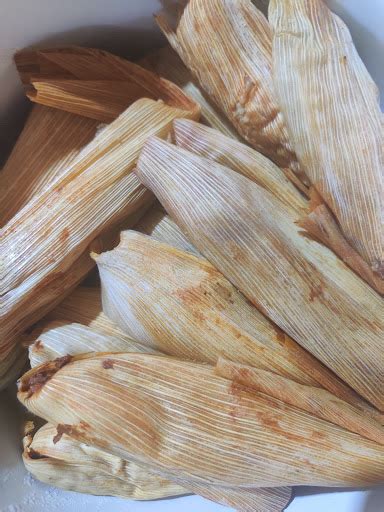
312,215
316,401
49,142
253,240
227,44
161,227
79,64
332,110
181,305
76,466
168,64
179,410
59,338
97,191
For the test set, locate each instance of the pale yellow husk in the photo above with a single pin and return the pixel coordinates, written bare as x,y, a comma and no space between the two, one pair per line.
48,143
332,110
97,192
180,304
253,240
312,215
318,402
59,338
227,44
166,413
168,64
161,227
76,466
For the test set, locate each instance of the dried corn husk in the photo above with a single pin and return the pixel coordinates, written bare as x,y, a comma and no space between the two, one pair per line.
58,338
312,215
97,191
40,155
161,227
83,306
332,110
76,466
181,305
227,44
103,100
168,64
298,283
318,402
248,439
210,144
89,64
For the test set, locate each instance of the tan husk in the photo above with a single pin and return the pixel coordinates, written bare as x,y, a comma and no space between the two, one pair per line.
227,44
97,192
180,304
312,215
253,240
211,144
90,64
318,402
103,100
76,466
180,410
161,227
49,142
168,64
332,110
83,306
59,338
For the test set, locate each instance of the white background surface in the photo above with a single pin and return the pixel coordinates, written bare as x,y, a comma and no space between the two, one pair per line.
127,27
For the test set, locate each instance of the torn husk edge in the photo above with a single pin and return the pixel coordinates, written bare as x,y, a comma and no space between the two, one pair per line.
75,466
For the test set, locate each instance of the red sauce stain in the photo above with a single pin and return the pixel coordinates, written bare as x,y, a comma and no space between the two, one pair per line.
107,364
316,292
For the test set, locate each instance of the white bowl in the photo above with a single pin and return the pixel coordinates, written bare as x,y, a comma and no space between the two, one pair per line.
128,28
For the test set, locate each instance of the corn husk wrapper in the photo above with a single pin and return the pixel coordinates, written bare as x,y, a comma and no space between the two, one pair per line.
210,144
103,100
12,364
60,338
332,110
56,339
318,402
73,65
178,409
162,228
83,306
40,155
168,64
313,215
97,192
227,44
145,282
76,466
254,241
